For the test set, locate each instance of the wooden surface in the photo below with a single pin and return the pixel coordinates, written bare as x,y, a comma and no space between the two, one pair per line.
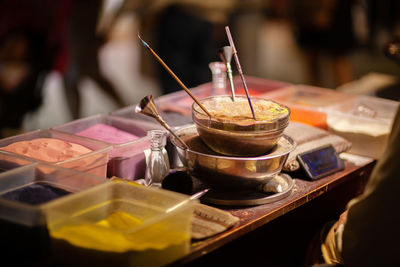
309,204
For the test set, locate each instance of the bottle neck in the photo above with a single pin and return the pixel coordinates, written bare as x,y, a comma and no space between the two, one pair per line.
156,139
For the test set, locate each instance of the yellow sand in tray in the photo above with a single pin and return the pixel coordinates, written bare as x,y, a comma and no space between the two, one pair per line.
111,234
47,149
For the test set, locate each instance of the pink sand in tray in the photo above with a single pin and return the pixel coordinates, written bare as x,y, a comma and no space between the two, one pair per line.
106,133
47,149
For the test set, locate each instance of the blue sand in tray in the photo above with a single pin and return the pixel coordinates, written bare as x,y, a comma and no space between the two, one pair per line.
35,194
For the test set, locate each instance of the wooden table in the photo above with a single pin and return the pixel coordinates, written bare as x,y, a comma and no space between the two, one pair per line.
277,234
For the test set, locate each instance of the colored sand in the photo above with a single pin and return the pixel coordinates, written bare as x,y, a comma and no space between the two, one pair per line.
310,117
224,109
35,194
47,149
106,133
112,234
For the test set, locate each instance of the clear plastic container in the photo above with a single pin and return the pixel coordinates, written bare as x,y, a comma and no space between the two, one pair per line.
308,103
24,193
120,224
94,162
10,161
127,159
308,96
365,121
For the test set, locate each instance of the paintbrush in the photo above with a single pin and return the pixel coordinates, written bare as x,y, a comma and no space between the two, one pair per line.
225,54
239,68
174,76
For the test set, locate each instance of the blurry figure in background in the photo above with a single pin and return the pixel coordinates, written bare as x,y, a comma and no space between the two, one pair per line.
325,27
82,54
246,24
383,21
185,34
38,38
20,81
185,41
30,39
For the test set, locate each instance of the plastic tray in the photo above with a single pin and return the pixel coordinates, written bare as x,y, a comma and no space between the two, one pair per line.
308,103
94,162
22,217
157,223
366,121
127,159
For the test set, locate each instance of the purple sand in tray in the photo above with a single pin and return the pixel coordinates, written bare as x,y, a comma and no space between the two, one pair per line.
35,194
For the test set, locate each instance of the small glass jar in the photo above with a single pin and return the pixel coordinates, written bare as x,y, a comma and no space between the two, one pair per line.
218,70
157,164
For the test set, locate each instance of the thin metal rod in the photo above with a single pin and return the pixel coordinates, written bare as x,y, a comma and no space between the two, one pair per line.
228,32
148,108
230,77
174,76
166,126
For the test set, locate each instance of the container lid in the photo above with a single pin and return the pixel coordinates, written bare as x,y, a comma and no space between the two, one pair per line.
308,96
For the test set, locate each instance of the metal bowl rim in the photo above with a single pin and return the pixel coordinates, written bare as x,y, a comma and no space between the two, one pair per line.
262,157
245,133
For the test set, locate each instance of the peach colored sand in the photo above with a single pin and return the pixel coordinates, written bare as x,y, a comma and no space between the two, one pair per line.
107,133
47,149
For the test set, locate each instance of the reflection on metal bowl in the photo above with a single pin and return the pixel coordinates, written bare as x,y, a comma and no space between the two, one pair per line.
227,172
232,130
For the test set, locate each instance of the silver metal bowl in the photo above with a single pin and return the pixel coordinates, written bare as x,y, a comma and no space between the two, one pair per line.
233,131
227,172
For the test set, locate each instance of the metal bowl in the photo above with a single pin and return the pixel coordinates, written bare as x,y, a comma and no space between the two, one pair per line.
232,130
227,172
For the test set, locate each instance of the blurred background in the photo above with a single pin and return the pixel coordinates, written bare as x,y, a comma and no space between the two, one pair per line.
63,59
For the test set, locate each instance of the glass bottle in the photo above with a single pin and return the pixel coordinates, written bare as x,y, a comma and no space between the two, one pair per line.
218,70
157,164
